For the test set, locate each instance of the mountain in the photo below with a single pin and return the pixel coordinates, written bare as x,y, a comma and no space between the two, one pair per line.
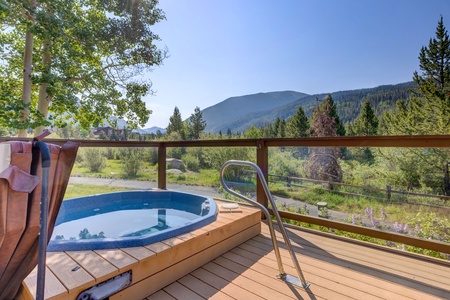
154,129
237,107
240,113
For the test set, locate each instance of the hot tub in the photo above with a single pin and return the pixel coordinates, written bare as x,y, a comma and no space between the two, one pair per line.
128,219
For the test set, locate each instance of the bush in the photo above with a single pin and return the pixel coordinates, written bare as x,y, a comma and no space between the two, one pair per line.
175,152
110,152
131,160
191,162
153,155
284,164
94,159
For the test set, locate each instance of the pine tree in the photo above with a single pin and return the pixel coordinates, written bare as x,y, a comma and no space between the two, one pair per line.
275,127
434,81
428,112
196,124
366,123
281,131
297,125
176,124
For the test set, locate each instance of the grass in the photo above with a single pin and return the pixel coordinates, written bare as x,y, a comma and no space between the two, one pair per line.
114,170
204,177
80,190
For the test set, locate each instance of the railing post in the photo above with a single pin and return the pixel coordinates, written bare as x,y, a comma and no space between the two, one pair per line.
262,160
162,166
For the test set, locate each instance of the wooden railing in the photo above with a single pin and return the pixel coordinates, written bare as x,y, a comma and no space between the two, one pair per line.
262,160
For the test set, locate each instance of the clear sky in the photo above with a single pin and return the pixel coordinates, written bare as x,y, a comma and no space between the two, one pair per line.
224,48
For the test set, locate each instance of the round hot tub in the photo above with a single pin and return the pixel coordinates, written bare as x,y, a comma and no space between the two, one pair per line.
128,219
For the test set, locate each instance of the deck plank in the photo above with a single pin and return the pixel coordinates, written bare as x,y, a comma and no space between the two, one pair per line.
232,275
203,289
53,287
94,264
118,258
395,271
160,295
74,278
230,289
324,269
406,266
177,290
340,271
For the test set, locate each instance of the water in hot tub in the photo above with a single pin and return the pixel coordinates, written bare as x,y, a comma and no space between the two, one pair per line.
122,223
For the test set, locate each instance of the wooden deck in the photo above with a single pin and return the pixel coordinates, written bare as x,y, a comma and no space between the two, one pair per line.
153,266
335,267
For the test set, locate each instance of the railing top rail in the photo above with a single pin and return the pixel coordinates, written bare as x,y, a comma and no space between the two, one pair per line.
413,141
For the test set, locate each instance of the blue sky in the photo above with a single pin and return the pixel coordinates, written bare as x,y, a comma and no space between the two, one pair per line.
224,48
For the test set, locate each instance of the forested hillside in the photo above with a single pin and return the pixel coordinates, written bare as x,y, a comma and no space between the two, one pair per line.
224,116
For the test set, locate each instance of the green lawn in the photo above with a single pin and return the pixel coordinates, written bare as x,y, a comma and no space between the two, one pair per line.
80,190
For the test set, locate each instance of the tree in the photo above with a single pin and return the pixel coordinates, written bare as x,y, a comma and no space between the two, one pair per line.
428,112
434,80
297,125
275,127
176,124
281,131
323,163
253,133
82,61
366,123
196,124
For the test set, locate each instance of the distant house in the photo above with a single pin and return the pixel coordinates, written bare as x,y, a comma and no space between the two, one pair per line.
122,126
110,130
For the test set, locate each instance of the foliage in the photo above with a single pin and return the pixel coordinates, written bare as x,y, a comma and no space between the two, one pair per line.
434,81
94,159
297,125
86,61
282,163
366,123
131,160
176,125
191,162
196,124
153,156
426,113
217,156
430,226
253,133
323,163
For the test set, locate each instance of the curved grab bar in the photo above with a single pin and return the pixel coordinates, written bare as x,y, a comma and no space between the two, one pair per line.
282,274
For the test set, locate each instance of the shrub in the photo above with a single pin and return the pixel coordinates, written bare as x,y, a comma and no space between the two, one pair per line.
153,155
131,160
94,159
191,162
110,152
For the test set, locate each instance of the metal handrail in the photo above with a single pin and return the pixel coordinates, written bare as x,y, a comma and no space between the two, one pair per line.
300,281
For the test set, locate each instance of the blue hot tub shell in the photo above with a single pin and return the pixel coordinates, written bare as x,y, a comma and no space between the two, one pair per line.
204,208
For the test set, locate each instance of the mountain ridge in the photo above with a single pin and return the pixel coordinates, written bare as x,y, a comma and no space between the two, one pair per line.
254,109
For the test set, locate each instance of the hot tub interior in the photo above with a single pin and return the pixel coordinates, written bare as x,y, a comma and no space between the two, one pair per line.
128,219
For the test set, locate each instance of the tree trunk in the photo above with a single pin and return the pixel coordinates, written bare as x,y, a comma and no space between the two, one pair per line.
44,99
27,68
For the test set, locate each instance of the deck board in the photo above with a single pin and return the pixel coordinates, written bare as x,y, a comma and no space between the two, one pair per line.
335,267
153,266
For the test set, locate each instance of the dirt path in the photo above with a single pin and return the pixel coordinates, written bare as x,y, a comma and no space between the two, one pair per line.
200,190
